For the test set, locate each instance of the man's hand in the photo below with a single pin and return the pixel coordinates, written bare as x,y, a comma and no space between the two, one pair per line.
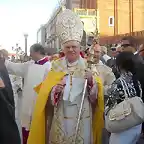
89,77
59,88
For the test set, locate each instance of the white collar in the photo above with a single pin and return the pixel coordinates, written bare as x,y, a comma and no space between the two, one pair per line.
80,62
73,64
135,52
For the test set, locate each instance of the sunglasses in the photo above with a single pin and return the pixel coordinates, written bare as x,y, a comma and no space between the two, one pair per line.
113,49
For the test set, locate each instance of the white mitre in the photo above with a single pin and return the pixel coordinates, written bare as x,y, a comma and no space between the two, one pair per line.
69,27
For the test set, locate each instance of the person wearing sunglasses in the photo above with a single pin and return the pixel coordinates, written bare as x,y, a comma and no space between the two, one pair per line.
112,62
130,44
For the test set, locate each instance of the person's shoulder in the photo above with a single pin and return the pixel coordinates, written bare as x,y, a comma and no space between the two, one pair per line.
110,62
47,63
108,69
138,58
30,62
105,67
55,64
57,61
85,60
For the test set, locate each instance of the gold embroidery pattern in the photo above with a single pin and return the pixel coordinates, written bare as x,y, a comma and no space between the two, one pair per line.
57,132
60,66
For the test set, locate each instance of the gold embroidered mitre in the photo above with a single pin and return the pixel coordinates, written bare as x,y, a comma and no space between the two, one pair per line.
69,27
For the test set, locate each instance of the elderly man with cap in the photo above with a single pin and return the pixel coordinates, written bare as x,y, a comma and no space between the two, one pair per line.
60,96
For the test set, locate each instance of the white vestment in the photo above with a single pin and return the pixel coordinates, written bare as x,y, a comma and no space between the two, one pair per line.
33,75
17,85
65,115
105,74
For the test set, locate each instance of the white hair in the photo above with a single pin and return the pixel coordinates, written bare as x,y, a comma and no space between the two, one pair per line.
104,49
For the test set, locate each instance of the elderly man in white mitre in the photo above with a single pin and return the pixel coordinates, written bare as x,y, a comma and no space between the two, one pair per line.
60,95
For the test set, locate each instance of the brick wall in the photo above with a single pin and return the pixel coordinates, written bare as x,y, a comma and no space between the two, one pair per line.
138,15
106,9
89,4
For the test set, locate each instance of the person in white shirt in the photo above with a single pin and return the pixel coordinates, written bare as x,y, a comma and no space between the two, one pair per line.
30,76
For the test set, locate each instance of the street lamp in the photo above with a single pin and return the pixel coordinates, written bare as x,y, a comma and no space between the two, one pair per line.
26,36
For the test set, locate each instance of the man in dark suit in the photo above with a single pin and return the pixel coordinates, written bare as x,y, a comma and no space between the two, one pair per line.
112,62
9,133
129,44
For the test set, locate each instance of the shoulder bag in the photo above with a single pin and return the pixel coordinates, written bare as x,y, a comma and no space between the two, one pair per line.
125,115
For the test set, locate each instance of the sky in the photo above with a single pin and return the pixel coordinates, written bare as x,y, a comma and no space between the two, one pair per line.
18,17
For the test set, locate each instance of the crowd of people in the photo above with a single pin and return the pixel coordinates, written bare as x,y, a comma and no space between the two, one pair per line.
74,97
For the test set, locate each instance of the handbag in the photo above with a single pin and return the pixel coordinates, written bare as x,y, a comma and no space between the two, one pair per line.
125,115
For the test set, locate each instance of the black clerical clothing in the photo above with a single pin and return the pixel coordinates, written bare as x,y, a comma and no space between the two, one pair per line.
9,133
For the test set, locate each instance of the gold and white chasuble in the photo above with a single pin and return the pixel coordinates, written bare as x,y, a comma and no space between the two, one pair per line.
66,113
63,124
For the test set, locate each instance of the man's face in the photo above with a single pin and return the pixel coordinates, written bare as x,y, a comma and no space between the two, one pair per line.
125,45
33,54
141,50
97,52
118,50
71,50
113,51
